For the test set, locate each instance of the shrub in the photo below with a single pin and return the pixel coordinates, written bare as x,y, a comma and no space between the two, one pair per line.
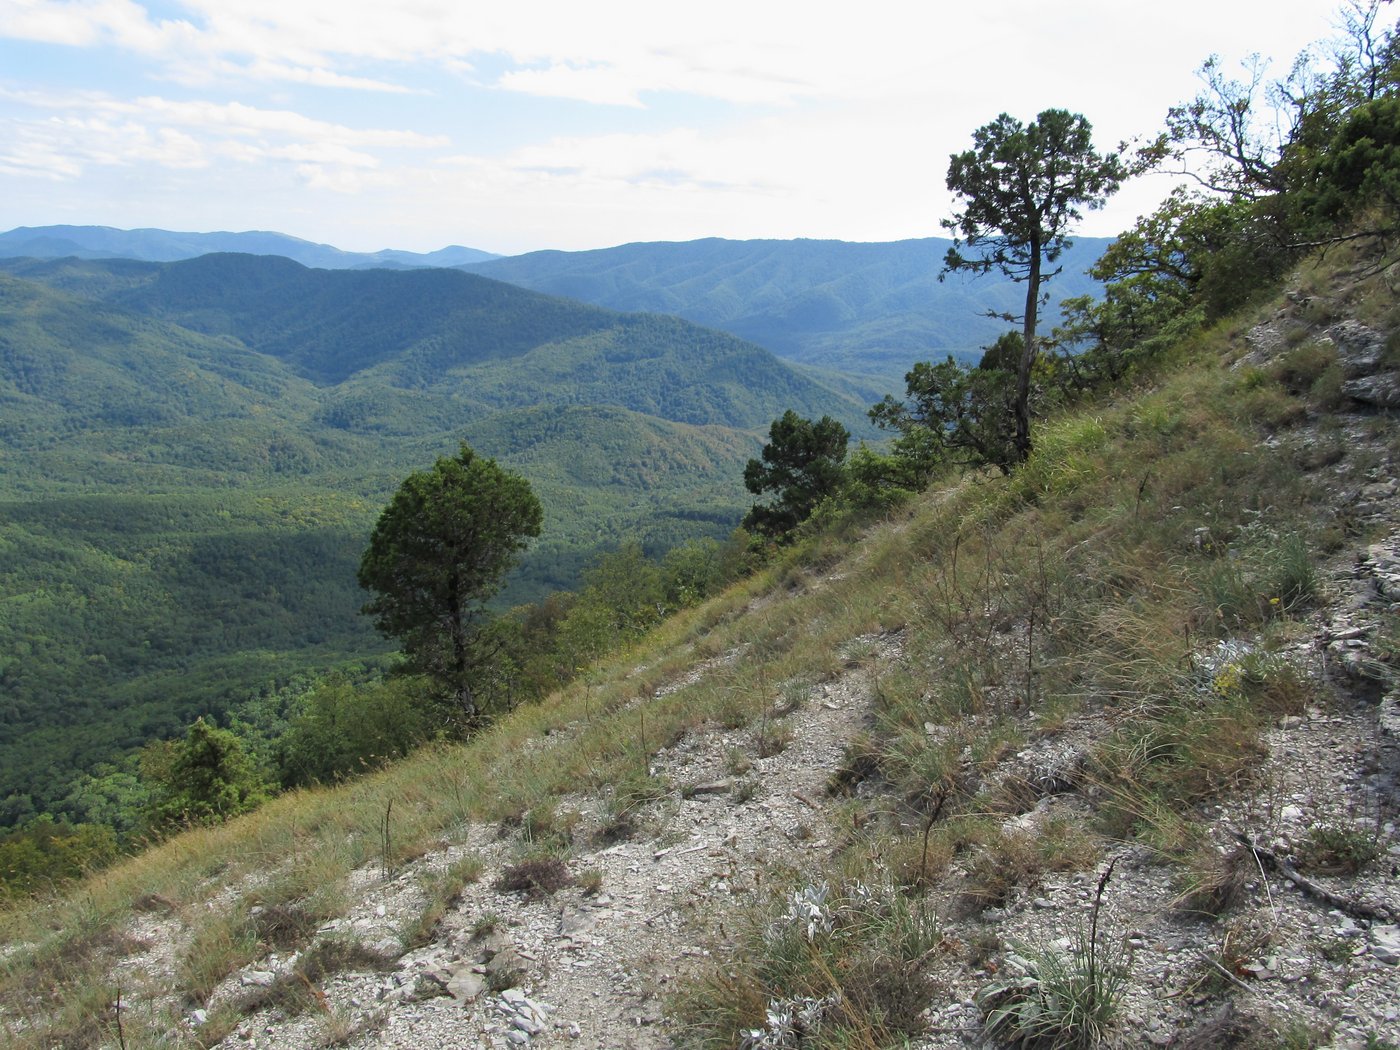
299,989
343,729
840,967
1339,849
1068,1001
1299,368
1212,882
203,779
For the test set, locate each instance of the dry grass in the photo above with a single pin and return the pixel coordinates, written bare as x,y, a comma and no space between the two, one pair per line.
534,877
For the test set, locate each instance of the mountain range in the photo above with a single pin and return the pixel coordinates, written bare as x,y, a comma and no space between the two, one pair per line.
868,309
865,309
106,242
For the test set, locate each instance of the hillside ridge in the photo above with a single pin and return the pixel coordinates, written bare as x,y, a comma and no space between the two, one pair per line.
869,308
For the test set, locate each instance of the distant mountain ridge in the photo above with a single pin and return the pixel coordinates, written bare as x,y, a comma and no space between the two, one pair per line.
862,308
152,245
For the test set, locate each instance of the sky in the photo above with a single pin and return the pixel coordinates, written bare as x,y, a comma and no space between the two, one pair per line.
518,125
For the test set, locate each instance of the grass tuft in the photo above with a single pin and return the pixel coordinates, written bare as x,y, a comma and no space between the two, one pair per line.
534,877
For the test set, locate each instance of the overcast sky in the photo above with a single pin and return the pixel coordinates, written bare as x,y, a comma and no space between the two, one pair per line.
515,125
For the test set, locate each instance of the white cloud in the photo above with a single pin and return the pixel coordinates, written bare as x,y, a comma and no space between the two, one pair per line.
347,181
233,117
780,118
62,148
92,132
614,52
83,23
241,119
625,52
202,73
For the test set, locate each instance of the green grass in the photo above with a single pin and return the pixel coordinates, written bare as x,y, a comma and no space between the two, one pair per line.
848,961
1069,1001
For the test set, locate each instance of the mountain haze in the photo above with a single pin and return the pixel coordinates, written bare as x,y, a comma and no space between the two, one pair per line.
105,242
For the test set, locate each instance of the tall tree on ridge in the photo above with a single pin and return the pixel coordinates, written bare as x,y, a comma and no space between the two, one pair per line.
1021,188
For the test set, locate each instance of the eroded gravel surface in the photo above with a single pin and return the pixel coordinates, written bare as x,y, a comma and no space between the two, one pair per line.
593,970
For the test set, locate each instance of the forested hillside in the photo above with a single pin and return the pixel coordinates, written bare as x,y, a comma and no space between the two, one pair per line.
869,309
194,454
446,334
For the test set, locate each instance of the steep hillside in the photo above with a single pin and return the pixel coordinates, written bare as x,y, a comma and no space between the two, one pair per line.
868,309
456,335
183,510
1112,739
105,242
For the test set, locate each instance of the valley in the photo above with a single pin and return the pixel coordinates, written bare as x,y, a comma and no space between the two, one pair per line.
195,452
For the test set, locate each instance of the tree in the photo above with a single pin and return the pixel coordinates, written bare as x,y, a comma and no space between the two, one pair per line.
1021,188
955,414
802,464
341,728
45,853
203,779
696,569
437,555
1360,169
1255,138
1236,131
1194,250
623,596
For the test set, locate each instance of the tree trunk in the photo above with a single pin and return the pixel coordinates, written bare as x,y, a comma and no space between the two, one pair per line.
466,702
1022,438
461,654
